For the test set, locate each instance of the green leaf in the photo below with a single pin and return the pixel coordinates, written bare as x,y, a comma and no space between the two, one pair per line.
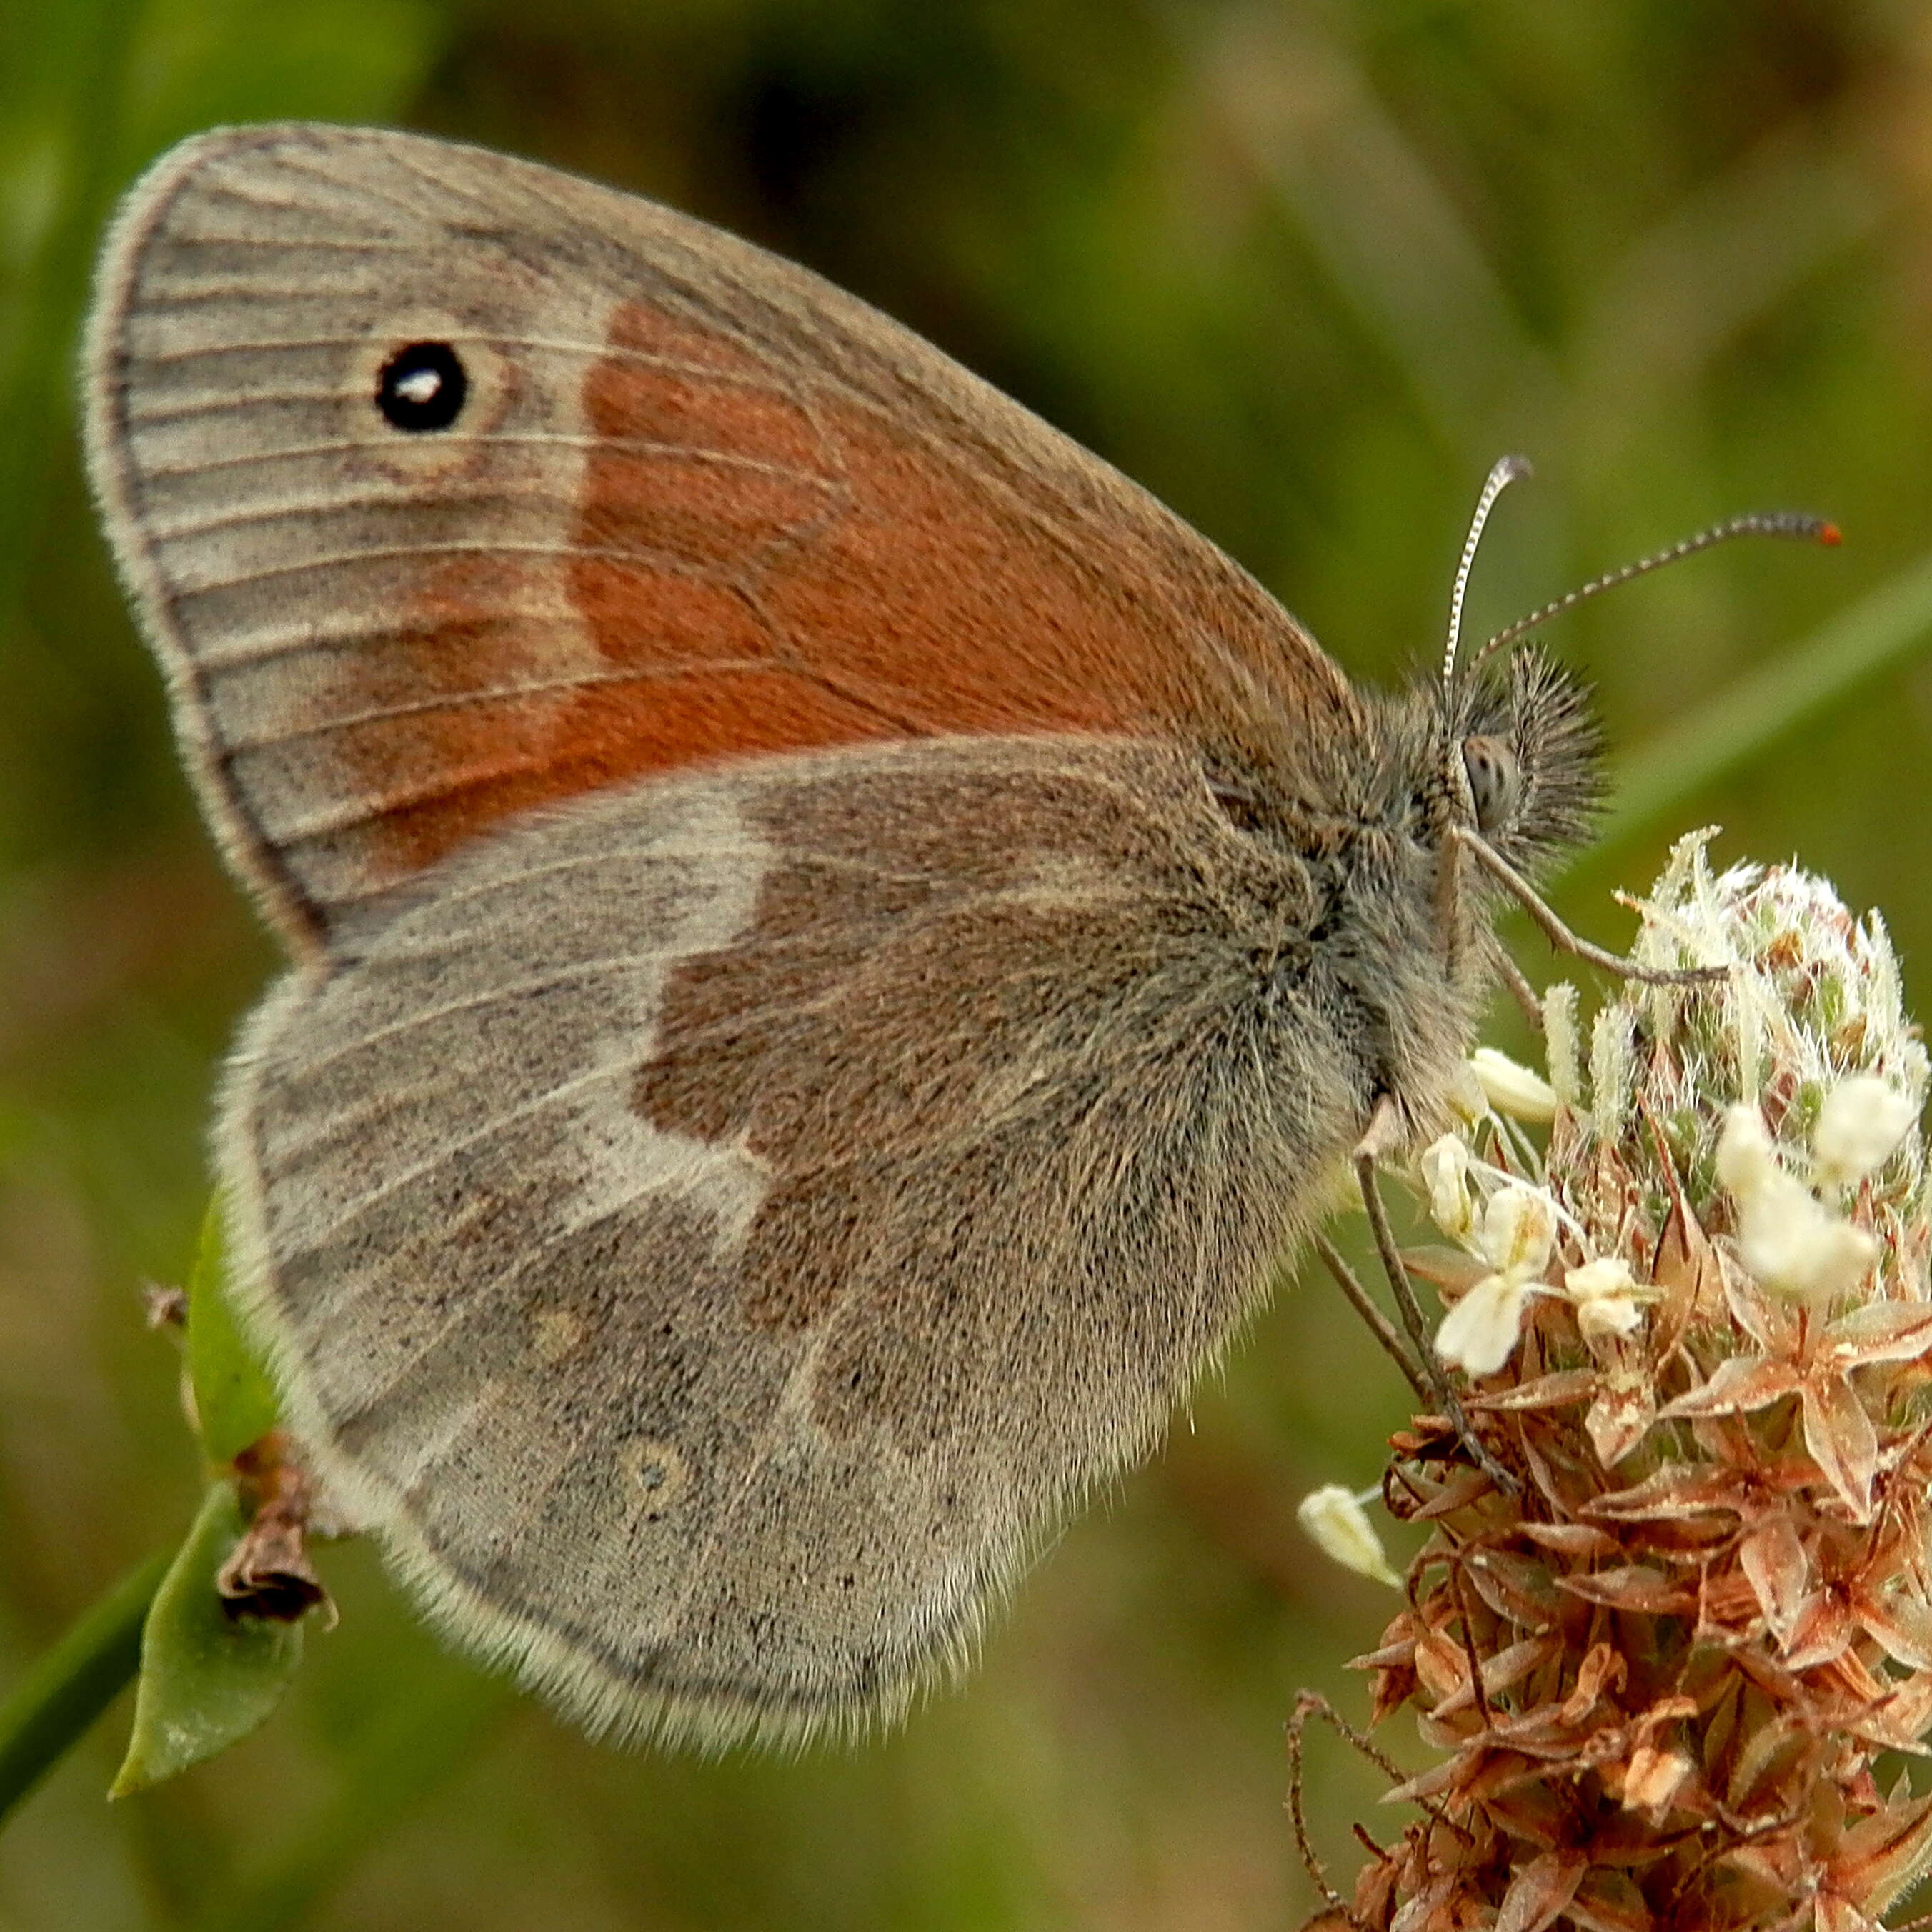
233,1397
208,1678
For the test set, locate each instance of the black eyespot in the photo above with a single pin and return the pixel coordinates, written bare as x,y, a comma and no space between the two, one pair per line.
1495,780
422,387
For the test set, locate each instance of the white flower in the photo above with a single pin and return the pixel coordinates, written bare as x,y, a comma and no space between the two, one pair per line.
1445,1172
1792,1243
1519,1229
1785,1236
1479,1334
1746,1162
1512,1089
1863,1119
1340,1526
1606,1296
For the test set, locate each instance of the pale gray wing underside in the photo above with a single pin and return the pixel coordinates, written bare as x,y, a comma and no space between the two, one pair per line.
715,1233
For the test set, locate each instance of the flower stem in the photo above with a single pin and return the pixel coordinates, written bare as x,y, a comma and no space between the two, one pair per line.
51,1708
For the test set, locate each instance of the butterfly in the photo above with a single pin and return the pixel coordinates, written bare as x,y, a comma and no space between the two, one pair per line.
836,944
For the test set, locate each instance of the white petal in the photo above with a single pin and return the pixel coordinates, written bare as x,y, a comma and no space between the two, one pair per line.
1863,1119
1840,1260
1513,1090
1445,1169
1340,1526
1519,1229
1466,1097
1602,1315
1609,1301
1790,1243
1608,1275
1746,1160
1479,1334
1778,1226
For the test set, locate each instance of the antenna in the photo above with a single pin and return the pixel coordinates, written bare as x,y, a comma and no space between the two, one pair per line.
1753,523
1503,473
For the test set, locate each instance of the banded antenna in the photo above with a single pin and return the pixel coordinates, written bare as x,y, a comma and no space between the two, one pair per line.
1505,471
1751,523
1509,470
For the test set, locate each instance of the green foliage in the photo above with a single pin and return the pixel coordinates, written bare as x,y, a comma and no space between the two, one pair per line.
208,1672
1767,710
234,1401
208,1677
74,1683
327,60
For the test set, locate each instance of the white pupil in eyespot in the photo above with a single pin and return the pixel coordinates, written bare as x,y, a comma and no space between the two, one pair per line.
419,386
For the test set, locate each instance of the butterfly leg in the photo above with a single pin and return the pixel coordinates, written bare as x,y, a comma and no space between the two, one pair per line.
1520,990
1384,1136
1560,935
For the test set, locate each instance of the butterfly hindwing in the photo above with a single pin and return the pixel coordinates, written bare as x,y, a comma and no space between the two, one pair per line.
715,1234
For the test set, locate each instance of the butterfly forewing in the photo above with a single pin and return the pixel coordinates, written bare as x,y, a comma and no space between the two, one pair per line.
693,503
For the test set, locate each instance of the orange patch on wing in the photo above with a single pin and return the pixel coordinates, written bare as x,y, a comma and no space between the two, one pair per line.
884,574
975,612
760,566
456,712
494,706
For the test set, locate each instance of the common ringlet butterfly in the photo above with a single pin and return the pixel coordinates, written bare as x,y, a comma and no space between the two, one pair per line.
837,944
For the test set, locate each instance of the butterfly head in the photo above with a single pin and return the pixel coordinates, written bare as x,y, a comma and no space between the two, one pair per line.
1510,755
1518,756
1501,749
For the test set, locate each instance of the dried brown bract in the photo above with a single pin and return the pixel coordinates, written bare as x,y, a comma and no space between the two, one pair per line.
269,1574
1673,1682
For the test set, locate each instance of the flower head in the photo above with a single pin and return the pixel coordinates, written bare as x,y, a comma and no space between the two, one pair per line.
1658,1675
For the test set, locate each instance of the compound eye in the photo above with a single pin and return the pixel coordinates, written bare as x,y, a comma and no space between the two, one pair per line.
1495,780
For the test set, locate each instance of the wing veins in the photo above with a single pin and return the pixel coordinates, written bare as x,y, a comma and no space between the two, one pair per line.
494,439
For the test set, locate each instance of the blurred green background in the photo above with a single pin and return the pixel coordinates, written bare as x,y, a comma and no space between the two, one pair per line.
1304,270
